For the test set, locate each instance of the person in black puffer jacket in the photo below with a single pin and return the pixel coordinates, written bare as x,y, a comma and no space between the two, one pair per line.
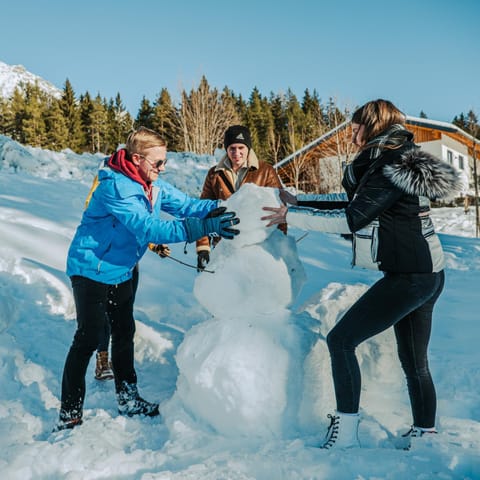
388,188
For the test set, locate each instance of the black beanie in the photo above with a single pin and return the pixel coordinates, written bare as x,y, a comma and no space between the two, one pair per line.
237,134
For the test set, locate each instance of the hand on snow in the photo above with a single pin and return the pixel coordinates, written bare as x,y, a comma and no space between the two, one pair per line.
226,220
218,221
279,215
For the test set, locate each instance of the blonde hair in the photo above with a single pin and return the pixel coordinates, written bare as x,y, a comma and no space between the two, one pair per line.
143,138
377,116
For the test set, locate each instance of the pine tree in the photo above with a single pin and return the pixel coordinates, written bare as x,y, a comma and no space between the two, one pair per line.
17,108
461,121
85,112
299,130
71,112
241,108
277,136
332,115
295,122
145,115
260,122
34,128
468,123
6,116
120,123
99,124
57,137
163,119
254,115
231,113
312,108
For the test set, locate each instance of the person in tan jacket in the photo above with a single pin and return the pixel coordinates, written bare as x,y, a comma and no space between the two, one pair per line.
239,165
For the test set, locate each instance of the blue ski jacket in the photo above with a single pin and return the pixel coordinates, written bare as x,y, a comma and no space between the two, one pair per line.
120,222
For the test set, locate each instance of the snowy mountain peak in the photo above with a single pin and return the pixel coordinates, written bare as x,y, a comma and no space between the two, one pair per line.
12,76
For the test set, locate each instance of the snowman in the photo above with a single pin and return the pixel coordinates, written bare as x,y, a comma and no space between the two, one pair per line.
240,372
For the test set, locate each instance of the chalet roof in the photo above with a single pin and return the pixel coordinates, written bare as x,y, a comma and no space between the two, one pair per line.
435,124
311,145
416,121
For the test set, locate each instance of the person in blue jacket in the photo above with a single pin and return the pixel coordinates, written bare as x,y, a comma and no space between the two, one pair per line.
103,366
121,220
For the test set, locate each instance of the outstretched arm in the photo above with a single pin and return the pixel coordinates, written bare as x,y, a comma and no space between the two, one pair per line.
328,221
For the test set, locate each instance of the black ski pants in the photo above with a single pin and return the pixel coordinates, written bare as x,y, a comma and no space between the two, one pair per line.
404,301
104,333
95,302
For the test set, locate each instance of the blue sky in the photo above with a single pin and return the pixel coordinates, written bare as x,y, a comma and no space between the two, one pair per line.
420,54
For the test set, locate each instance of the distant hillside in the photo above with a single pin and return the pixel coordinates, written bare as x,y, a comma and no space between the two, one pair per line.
12,76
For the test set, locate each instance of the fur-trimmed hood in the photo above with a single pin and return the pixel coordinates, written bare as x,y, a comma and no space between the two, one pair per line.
417,172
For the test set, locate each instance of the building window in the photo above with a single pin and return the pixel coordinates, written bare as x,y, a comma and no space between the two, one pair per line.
461,164
450,157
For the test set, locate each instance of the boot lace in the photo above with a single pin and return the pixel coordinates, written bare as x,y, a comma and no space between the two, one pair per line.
415,432
131,403
332,432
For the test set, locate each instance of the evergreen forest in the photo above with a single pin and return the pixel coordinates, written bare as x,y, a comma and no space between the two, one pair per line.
280,122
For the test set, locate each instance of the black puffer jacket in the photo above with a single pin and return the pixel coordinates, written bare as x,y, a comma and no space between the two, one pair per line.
396,190
389,210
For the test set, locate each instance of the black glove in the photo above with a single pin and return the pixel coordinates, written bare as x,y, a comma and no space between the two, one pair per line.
160,249
218,221
203,258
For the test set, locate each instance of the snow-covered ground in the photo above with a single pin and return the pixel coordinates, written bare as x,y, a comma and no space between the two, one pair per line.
244,391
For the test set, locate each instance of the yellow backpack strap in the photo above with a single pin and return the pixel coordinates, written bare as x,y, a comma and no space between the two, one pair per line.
92,189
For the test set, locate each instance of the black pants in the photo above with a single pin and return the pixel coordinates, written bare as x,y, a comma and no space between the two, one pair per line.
104,333
94,303
404,301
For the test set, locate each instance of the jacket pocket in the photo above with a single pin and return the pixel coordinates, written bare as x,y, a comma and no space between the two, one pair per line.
427,226
365,246
101,257
433,242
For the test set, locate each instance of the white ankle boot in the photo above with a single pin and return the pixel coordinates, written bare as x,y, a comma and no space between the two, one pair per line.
342,432
413,436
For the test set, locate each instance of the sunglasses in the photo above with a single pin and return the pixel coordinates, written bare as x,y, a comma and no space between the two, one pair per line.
157,164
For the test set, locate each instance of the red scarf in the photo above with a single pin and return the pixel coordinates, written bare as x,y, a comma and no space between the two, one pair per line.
120,163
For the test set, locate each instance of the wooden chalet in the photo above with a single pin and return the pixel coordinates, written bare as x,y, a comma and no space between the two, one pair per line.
318,166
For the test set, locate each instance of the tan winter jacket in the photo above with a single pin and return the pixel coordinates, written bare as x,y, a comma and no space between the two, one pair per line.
220,185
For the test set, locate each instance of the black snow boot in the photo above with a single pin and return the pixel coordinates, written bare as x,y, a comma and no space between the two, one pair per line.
131,403
68,420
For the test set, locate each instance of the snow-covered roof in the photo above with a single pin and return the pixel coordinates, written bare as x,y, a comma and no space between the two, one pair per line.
421,122
311,145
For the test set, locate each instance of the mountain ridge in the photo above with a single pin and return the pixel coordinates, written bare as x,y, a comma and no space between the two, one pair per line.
13,76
